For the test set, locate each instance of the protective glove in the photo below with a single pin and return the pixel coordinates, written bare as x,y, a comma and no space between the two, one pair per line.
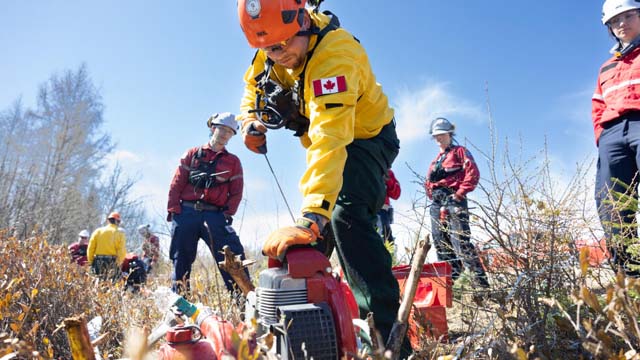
253,134
305,232
228,219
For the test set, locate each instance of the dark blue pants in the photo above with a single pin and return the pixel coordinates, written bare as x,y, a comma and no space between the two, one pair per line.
187,229
384,224
619,158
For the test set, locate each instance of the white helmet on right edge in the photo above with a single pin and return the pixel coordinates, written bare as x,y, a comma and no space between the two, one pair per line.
611,8
441,126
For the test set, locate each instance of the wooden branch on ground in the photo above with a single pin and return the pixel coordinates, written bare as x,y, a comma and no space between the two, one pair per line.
377,353
235,266
79,339
399,328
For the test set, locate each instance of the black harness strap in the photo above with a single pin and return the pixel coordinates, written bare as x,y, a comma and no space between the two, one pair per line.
334,24
201,174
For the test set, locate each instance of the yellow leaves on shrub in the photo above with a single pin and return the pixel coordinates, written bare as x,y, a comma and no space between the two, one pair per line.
584,261
564,323
14,282
34,292
15,328
47,343
604,338
519,353
609,295
590,299
34,329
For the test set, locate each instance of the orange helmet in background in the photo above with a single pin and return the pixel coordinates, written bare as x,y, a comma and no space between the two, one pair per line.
268,22
114,215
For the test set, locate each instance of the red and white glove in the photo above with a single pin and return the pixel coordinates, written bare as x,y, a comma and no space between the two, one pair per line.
306,232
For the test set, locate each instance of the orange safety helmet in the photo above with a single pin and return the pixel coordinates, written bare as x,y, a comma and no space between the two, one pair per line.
114,215
268,22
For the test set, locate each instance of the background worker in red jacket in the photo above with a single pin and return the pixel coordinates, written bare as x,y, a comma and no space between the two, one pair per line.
78,250
150,247
453,174
204,195
616,123
385,215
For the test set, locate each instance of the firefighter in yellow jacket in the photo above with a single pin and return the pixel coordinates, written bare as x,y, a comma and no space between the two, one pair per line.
311,76
107,249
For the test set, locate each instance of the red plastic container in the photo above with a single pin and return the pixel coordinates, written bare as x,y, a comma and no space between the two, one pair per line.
425,321
435,287
433,295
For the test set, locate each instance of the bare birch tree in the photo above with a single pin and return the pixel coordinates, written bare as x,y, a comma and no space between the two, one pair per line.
52,160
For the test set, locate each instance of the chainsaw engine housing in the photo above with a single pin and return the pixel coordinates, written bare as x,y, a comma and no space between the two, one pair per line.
304,305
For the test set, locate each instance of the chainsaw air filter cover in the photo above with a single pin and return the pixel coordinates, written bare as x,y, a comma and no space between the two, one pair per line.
308,331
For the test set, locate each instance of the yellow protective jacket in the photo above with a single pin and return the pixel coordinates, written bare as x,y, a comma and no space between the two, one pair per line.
108,240
343,102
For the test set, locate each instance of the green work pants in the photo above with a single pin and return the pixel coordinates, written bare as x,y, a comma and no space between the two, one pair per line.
364,259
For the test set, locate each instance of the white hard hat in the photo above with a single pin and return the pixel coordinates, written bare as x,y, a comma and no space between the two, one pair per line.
611,8
84,233
225,118
441,126
143,229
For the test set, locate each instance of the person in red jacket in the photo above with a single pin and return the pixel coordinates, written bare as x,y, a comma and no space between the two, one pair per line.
150,247
452,175
616,123
204,195
78,250
385,215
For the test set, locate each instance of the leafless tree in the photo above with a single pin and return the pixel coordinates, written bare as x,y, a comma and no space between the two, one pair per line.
52,158
115,194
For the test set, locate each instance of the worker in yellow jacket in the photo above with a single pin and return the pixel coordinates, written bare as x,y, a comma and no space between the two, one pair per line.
107,249
313,77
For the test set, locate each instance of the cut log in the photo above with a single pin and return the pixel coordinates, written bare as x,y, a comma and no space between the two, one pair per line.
399,329
235,266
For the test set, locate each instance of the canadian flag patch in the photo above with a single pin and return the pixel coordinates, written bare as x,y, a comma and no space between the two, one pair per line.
330,85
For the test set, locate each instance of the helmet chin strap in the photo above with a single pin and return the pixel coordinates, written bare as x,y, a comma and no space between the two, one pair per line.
621,51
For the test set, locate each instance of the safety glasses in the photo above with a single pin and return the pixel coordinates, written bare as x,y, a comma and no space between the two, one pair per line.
625,17
279,46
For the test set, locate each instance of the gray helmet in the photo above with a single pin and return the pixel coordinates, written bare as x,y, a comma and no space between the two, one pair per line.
226,118
441,126
84,233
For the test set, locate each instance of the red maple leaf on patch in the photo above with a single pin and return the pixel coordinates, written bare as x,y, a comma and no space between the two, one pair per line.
329,85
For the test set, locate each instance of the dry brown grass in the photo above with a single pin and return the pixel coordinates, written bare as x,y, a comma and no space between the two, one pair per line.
39,287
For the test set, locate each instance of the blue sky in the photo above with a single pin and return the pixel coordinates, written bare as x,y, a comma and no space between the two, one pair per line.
163,67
